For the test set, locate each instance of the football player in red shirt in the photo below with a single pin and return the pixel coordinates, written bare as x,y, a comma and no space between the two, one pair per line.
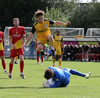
2,51
16,39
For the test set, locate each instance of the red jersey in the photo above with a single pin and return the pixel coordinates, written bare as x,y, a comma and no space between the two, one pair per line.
17,33
1,40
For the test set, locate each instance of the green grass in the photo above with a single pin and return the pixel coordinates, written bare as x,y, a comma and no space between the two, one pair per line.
88,43
31,87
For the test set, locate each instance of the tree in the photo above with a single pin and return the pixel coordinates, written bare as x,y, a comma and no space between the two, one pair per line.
24,9
56,14
86,16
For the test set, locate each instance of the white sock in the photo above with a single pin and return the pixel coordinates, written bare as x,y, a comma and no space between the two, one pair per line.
21,73
5,70
9,73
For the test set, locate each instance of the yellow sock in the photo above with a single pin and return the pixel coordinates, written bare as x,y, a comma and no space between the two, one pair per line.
59,62
16,58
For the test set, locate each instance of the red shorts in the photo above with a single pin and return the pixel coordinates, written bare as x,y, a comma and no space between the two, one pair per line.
16,52
1,52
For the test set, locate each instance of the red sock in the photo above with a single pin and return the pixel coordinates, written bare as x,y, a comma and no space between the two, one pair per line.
38,56
42,59
3,64
10,68
21,66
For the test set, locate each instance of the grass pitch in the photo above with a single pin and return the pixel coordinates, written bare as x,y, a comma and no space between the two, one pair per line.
31,87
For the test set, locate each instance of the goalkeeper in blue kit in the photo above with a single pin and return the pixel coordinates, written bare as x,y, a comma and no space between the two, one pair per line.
60,77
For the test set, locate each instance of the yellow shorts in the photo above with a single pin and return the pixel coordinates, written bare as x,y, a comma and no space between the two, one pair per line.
43,40
58,51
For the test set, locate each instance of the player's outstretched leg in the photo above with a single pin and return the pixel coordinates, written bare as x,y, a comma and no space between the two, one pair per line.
74,72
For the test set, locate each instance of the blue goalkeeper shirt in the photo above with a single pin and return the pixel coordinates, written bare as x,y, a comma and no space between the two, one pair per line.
61,77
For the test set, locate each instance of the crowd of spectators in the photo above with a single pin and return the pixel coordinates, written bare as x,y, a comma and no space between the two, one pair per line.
74,52
81,52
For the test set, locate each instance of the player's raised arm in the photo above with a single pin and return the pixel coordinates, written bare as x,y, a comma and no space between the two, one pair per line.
62,23
30,35
28,38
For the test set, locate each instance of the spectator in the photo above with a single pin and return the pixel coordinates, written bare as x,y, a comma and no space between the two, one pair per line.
91,52
79,53
32,48
97,52
85,49
75,51
82,52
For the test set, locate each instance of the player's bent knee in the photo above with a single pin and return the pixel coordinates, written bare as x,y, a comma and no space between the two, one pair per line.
50,38
21,58
12,61
68,70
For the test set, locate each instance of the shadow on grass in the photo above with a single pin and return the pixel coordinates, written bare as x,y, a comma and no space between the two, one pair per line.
95,76
21,87
24,87
9,79
3,78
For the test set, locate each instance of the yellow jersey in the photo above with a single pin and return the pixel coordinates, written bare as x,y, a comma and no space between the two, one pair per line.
42,30
17,36
58,40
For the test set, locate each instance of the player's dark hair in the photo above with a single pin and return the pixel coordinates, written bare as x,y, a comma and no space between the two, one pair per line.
39,13
48,74
58,31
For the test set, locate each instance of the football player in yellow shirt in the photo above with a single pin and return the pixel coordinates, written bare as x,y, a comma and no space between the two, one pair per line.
59,47
42,30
